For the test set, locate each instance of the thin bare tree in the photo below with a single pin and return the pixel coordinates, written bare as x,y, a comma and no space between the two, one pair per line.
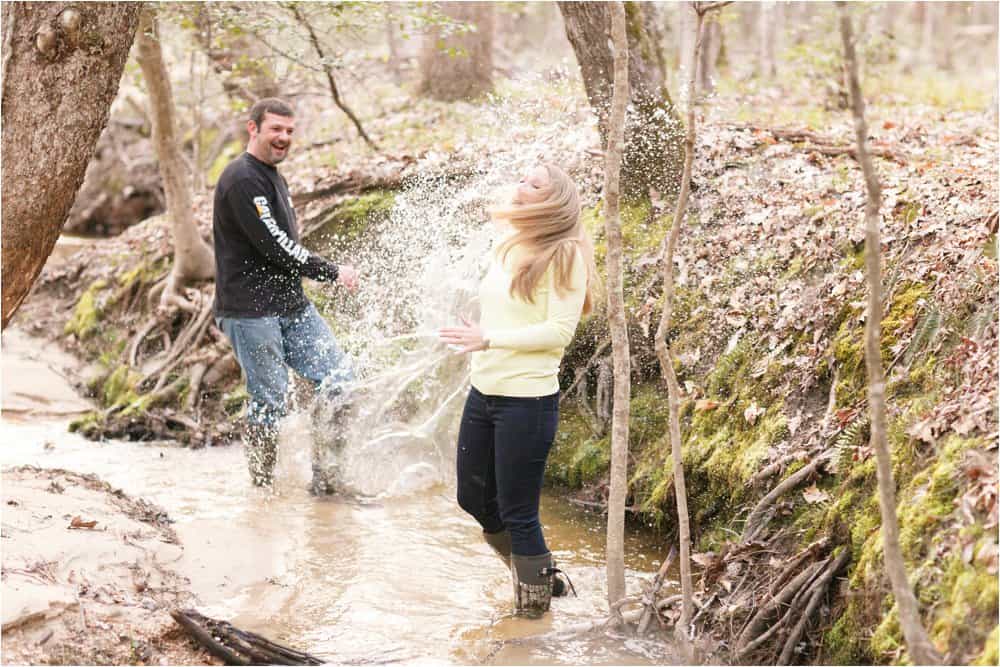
331,80
663,353
917,642
193,259
616,308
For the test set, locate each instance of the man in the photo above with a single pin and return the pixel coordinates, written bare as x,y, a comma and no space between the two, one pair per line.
259,301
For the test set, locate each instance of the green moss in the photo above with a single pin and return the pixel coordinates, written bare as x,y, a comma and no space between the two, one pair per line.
848,342
119,389
89,424
641,233
844,643
233,401
346,221
989,656
87,313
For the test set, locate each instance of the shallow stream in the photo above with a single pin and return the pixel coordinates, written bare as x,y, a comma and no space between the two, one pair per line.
401,579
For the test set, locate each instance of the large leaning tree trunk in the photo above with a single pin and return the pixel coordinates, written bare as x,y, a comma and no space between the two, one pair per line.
459,66
654,147
62,63
618,492
193,259
918,644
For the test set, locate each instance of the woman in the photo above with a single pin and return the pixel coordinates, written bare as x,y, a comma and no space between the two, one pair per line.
531,299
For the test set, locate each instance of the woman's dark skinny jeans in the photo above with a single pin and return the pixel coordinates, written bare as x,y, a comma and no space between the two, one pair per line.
503,443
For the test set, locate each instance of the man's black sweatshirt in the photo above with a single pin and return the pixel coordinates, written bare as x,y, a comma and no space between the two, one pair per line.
259,263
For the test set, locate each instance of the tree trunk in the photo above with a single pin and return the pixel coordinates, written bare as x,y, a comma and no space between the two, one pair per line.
709,55
62,63
459,66
917,643
616,307
392,41
653,132
663,353
766,35
192,257
926,52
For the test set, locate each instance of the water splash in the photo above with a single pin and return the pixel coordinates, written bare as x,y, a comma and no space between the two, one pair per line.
421,266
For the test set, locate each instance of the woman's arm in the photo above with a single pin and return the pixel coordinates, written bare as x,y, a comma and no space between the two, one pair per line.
563,314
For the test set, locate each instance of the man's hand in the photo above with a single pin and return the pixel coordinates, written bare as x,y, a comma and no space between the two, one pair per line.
347,276
469,337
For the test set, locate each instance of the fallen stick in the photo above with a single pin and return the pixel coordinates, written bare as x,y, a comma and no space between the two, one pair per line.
238,647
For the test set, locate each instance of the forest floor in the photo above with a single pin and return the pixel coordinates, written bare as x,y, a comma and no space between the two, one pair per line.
770,312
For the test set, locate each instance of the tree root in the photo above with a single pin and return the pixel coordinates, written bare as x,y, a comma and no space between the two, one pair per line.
755,634
649,599
816,591
132,358
756,521
184,342
194,386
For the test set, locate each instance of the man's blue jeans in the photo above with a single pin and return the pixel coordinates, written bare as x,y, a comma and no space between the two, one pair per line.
266,346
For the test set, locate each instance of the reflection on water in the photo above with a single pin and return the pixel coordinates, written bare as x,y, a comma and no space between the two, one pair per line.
405,578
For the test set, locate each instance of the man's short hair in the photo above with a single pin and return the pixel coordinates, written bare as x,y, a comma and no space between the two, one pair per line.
269,105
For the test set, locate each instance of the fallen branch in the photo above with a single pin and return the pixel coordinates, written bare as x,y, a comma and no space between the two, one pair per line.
818,143
238,647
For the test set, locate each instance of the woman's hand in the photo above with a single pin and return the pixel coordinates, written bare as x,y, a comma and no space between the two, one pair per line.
468,337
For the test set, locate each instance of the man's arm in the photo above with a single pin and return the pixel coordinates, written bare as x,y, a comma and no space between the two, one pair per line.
254,213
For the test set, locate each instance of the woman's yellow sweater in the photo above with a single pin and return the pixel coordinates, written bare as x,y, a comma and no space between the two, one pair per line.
527,340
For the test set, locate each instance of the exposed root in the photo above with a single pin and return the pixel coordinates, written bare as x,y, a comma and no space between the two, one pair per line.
135,344
757,520
194,386
649,599
816,592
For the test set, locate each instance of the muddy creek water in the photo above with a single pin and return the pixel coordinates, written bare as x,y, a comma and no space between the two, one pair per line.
401,579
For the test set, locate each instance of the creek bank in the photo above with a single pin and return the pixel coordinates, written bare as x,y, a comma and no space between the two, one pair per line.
87,574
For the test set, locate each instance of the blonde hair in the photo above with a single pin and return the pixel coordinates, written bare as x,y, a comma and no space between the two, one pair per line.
551,233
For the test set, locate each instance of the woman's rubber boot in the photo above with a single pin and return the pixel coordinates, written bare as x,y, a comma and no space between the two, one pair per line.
500,543
532,577
260,444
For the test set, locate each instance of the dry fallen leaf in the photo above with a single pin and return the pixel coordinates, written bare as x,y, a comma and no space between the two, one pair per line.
79,523
705,404
815,495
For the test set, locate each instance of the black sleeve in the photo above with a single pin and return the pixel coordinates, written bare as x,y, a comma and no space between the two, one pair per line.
254,213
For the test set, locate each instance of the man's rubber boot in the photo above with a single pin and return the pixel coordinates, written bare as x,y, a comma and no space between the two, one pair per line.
328,423
260,444
500,543
532,577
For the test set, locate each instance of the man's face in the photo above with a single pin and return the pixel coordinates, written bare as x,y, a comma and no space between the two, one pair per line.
270,142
